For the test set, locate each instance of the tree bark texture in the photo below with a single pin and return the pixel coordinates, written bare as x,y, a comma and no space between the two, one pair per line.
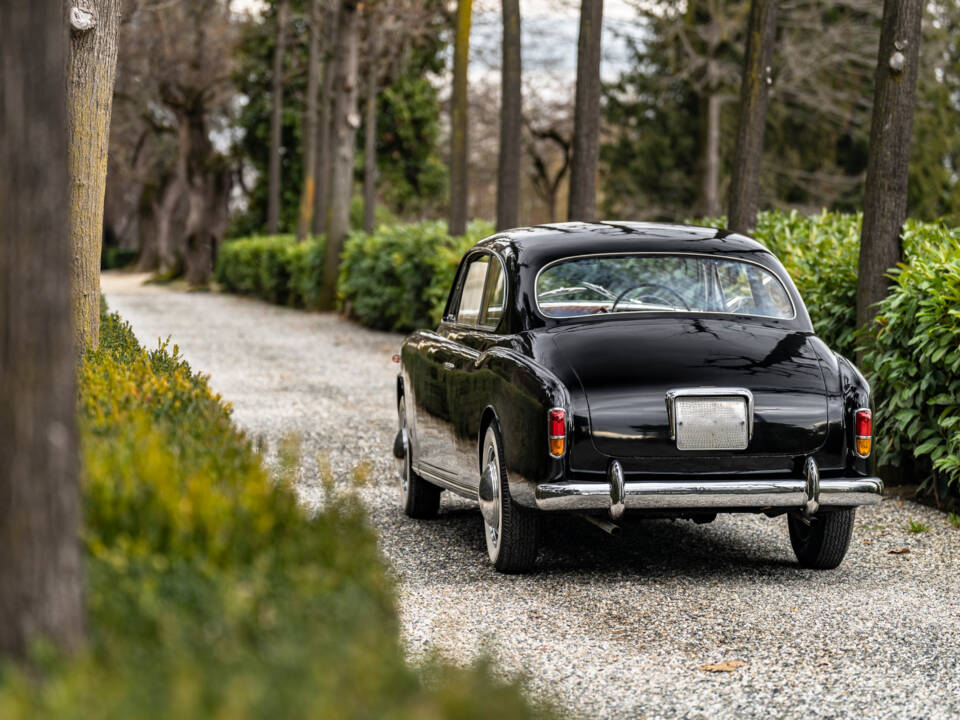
207,184
370,128
710,181
458,121
305,218
94,25
748,159
885,197
511,118
41,562
345,123
582,202
276,120
323,120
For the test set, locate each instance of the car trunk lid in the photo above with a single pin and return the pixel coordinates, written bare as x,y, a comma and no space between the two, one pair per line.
627,367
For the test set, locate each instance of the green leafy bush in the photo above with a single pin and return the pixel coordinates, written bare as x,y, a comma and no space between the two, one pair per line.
914,360
398,277
211,592
275,268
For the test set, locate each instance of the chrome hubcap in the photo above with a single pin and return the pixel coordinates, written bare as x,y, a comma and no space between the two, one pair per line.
489,496
404,462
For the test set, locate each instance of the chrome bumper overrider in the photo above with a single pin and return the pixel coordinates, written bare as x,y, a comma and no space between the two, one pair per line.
709,494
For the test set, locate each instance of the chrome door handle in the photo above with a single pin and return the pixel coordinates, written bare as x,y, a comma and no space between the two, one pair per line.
448,365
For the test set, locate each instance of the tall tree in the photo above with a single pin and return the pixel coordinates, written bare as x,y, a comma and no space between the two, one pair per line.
343,143
458,120
41,565
748,158
276,118
370,122
305,223
324,114
582,203
885,198
93,60
511,119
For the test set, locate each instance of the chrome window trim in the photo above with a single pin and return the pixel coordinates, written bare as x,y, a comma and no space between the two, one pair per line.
536,282
672,395
451,321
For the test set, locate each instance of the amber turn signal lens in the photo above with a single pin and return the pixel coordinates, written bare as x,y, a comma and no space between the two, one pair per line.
863,431
557,431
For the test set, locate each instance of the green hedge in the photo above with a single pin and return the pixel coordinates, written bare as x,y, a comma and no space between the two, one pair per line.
398,278
275,268
913,362
211,592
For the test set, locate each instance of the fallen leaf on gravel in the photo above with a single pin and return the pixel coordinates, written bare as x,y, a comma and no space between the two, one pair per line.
901,551
723,666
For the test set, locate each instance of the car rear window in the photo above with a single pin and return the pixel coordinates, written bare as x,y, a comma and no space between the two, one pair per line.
634,283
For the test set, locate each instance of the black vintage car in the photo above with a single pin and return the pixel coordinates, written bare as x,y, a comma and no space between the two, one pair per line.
637,369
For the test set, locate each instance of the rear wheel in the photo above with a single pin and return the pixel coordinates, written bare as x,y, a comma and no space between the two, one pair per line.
510,530
418,497
821,541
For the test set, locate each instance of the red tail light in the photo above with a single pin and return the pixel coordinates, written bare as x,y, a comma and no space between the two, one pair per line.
557,431
863,429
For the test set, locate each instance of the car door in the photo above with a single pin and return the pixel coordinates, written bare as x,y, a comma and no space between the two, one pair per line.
444,355
469,388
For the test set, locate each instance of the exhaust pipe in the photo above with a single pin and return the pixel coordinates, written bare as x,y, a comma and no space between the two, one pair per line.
605,525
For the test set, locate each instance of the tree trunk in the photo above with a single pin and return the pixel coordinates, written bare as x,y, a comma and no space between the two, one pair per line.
511,107
93,61
41,562
582,203
168,214
709,190
885,198
323,124
207,190
345,121
276,121
458,121
370,130
748,159
305,222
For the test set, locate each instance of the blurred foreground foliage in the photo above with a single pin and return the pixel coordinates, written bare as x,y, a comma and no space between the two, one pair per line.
211,592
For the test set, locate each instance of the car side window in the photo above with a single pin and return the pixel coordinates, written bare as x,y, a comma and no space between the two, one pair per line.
471,296
492,309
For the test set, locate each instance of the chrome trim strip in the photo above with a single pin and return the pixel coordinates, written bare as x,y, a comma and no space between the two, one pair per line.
446,480
536,281
699,494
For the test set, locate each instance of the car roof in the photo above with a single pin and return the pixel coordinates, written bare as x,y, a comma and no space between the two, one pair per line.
540,244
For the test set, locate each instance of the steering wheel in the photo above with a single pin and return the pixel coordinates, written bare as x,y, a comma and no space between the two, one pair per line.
653,296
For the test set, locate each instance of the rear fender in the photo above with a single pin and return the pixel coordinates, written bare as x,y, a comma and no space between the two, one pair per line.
521,392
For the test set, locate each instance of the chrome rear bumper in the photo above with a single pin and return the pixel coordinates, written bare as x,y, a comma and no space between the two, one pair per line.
710,494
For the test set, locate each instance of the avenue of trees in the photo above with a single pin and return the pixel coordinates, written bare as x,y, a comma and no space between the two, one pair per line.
219,122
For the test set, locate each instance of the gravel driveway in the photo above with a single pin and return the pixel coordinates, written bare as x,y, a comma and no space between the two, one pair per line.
608,627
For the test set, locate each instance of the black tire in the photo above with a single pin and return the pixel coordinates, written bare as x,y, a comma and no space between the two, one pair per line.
821,544
515,549
419,498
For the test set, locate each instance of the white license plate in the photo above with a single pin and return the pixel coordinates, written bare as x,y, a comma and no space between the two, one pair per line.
711,423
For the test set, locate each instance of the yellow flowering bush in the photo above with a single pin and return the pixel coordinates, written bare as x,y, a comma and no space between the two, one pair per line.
211,592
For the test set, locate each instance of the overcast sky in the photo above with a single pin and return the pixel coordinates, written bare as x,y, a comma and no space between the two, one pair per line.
550,29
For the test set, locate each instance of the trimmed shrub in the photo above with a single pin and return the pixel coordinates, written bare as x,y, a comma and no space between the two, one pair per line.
398,277
275,268
211,592
914,360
